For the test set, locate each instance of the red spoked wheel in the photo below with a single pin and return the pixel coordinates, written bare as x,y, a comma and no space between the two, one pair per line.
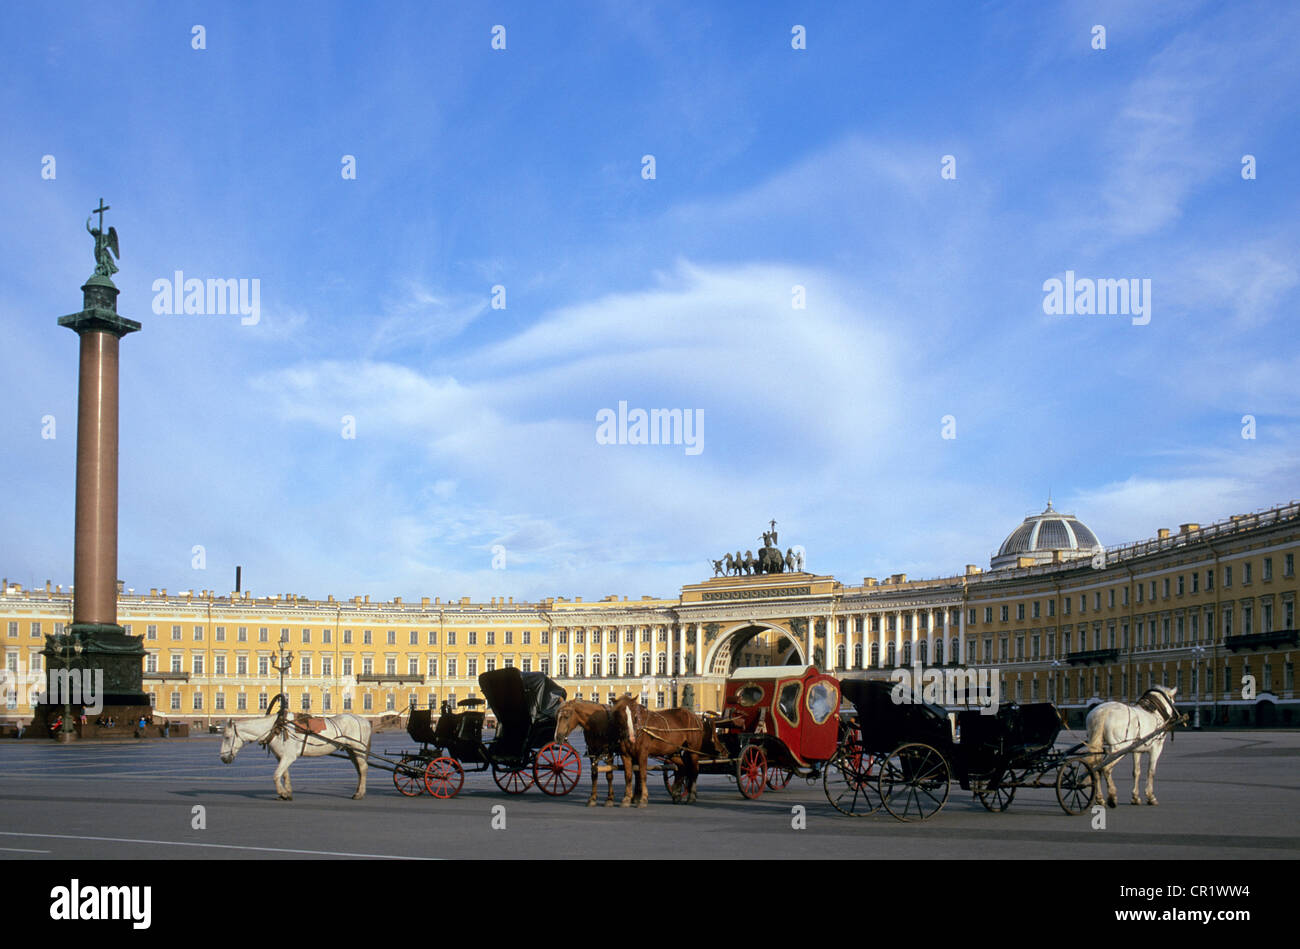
778,778
408,776
751,771
511,780
444,777
557,769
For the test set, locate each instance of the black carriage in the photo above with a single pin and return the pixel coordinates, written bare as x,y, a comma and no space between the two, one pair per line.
906,754
522,752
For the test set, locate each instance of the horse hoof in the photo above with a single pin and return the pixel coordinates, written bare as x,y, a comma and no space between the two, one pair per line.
642,804
357,797
626,804
1112,803
592,802
610,802
1153,802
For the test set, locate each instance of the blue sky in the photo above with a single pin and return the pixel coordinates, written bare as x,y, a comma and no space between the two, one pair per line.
475,427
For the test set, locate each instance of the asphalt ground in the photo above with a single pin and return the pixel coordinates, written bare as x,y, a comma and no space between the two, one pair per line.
1223,796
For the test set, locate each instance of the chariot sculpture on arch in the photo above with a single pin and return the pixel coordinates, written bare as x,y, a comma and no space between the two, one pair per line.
769,558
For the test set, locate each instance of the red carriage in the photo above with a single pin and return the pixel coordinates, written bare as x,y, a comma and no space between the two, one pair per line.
776,722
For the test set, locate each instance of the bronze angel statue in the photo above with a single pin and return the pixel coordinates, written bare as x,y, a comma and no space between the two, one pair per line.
104,243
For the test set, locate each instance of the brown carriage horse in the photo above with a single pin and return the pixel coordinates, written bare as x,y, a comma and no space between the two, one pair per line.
601,736
672,732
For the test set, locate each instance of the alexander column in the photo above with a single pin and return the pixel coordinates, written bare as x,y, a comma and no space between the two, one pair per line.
95,640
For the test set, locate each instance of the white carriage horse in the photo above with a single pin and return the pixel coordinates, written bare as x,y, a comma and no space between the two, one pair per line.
1117,727
289,741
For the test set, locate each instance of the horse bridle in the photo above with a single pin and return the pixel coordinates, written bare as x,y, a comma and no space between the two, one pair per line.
1167,708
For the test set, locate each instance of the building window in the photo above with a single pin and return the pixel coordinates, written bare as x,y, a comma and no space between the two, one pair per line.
413,666
451,668
347,701
367,637
1288,565
1268,568
261,702
1020,611
433,666
367,702
1246,611
451,637
433,637
306,666
528,638
219,665
198,700
1245,572
367,666
151,662
284,634
471,668
392,641
241,665
262,634
1227,576
306,635
176,701
263,666
390,667
347,665
241,702
492,637
473,637
1005,613
491,664
220,701
243,634
176,632
415,637
198,664
347,637
326,635
325,703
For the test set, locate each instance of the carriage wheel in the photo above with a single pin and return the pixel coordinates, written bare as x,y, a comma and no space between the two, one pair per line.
778,778
557,768
673,782
999,799
914,782
1076,786
751,771
408,776
851,781
511,780
444,777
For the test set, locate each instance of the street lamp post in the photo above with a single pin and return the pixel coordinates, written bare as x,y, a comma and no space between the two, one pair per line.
1197,653
70,649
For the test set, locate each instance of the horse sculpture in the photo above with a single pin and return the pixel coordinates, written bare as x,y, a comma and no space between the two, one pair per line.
670,732
601,735
1115,726
289,740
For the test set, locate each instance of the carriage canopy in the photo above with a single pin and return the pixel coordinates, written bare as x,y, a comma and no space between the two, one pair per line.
798,706
525,704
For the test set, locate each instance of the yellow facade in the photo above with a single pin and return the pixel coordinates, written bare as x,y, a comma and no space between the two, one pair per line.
1209,610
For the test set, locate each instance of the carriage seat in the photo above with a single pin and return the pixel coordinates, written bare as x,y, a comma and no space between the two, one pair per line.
309,723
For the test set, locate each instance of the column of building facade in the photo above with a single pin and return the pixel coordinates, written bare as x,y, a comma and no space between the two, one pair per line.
808,640
832,640
678,631
929,640
898,637
654,650
699,649
961,635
